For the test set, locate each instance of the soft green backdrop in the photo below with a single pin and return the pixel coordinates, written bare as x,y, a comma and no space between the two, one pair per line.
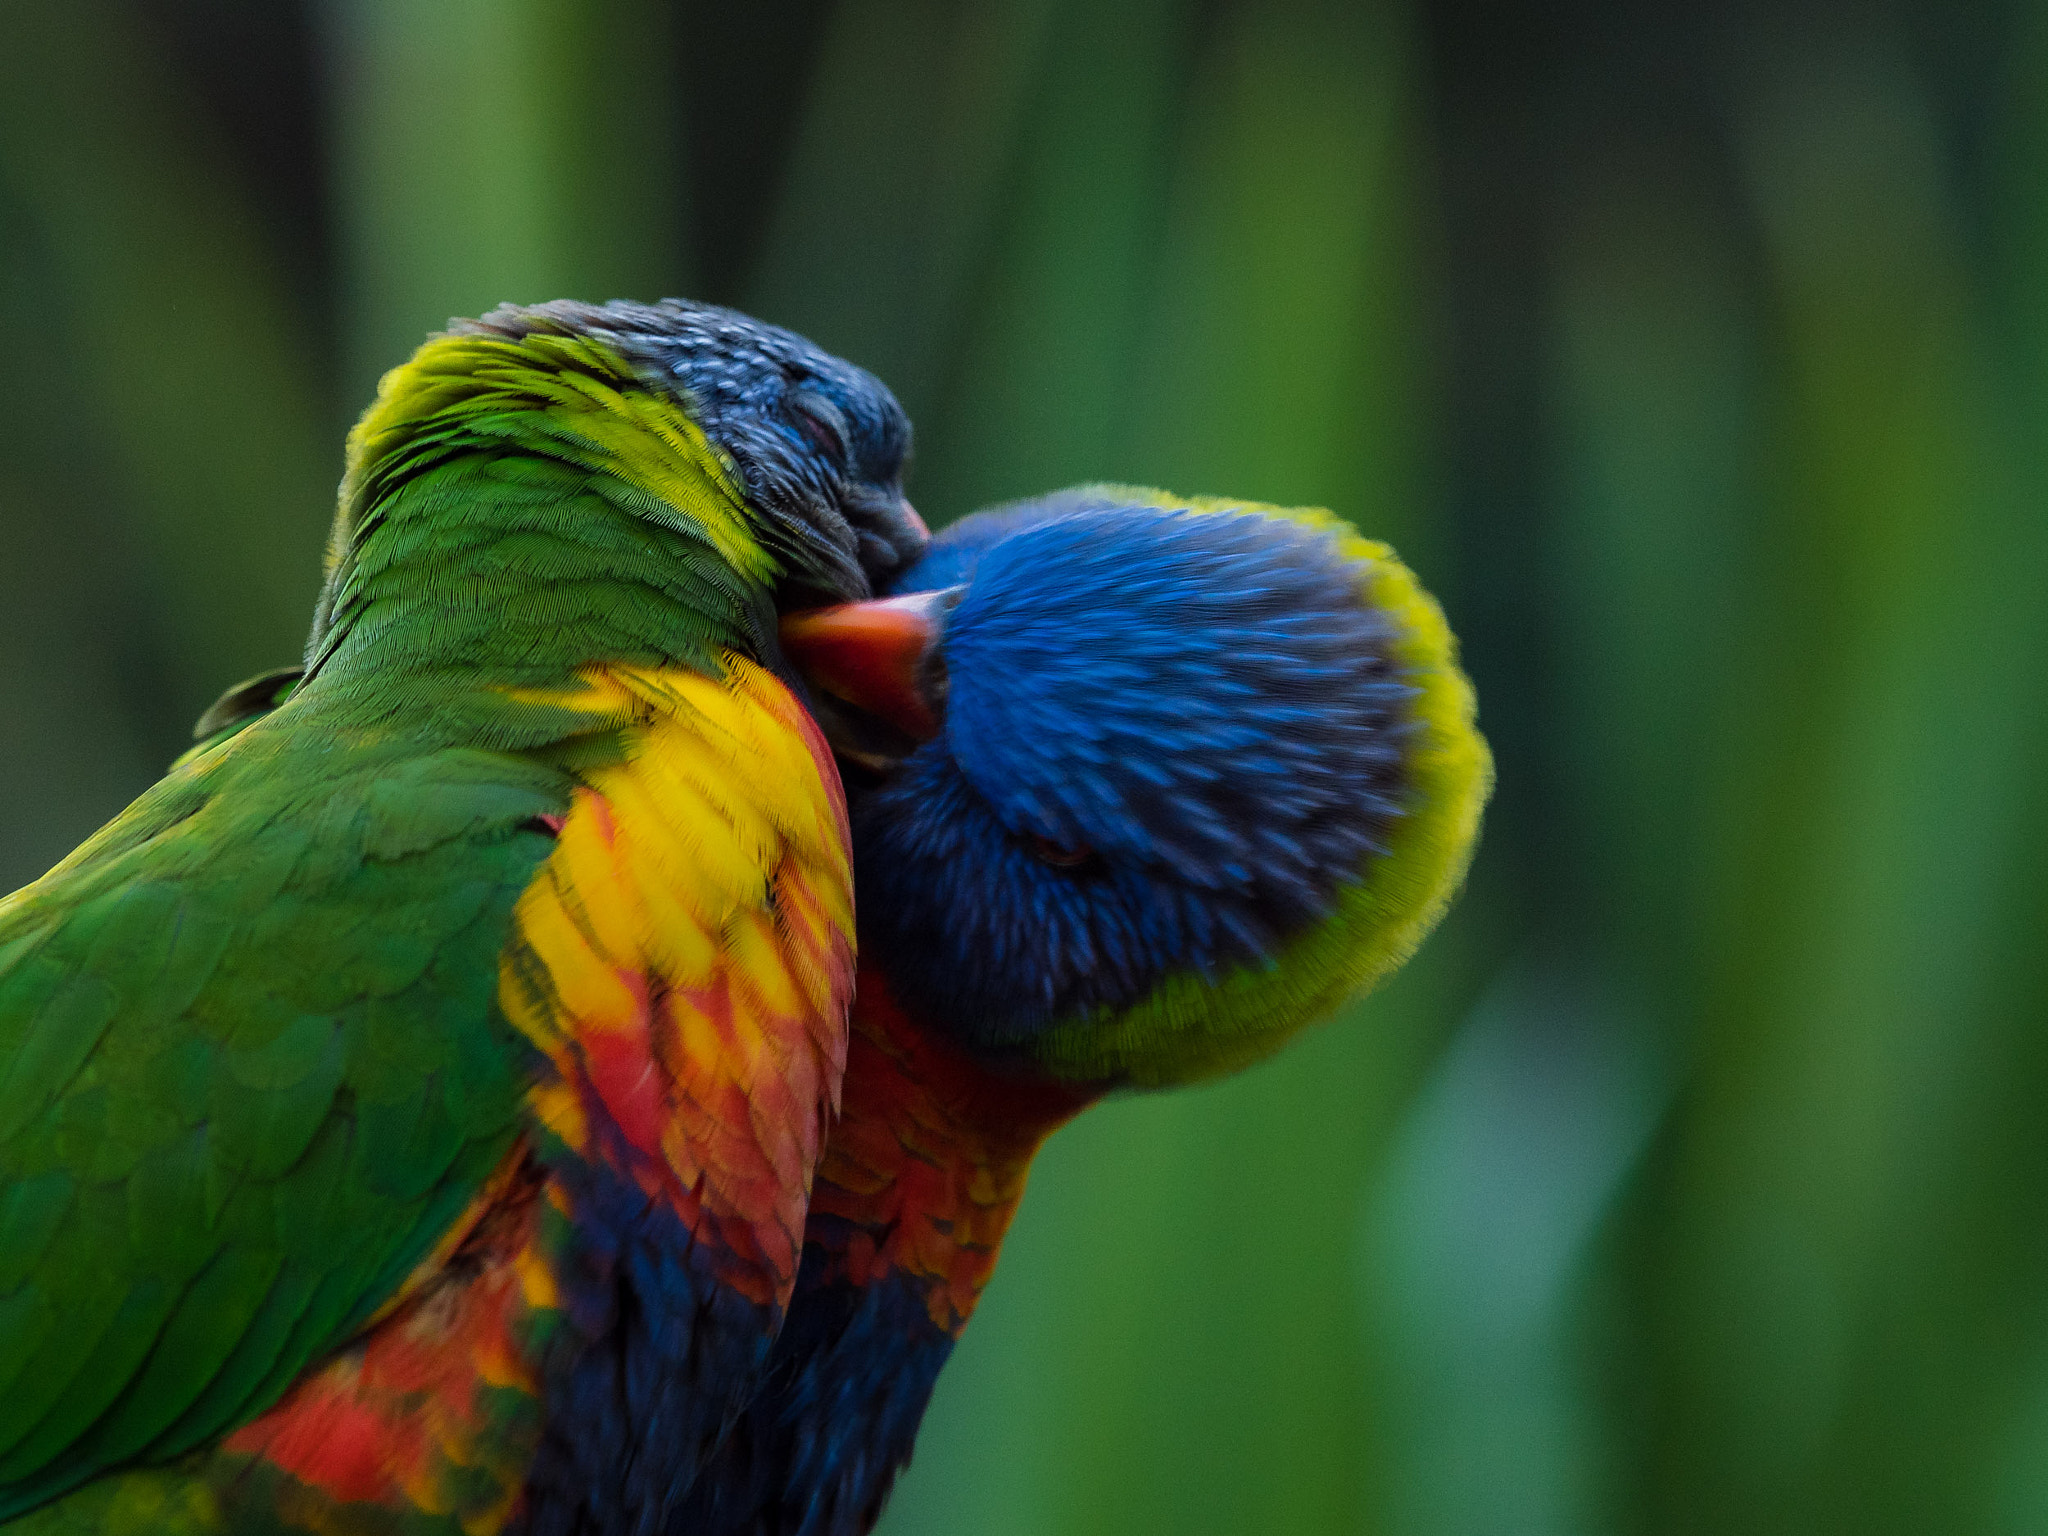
1695,1179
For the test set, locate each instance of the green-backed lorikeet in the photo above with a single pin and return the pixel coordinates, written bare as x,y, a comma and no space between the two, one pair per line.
408,1106
1196,771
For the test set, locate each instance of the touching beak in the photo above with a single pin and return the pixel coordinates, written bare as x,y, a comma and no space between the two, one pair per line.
881,657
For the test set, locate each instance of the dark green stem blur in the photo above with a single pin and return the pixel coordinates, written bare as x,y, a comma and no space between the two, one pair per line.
1695,1177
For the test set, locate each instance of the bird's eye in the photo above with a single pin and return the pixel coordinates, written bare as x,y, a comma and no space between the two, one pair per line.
1061,855
822,422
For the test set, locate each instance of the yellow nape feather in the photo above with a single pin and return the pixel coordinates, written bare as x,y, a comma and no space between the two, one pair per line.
599,414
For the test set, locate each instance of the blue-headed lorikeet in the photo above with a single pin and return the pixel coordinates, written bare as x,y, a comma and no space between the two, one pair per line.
407,1107
1196,772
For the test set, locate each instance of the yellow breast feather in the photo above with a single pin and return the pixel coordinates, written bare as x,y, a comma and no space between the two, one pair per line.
685,958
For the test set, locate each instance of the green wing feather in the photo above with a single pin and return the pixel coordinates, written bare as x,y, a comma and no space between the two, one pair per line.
251,1069
252,1065
241,705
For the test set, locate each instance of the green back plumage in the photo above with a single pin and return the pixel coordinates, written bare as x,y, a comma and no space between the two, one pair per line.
251,1061
253,1072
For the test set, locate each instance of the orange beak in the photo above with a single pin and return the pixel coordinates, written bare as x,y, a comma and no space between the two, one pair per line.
882,656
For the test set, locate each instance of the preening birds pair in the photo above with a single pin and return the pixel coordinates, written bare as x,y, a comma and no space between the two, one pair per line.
434,1107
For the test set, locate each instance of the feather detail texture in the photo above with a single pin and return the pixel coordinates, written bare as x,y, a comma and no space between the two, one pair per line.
408,1106
1229,1022
683,962
677,969
918,1185
685,957
1206,768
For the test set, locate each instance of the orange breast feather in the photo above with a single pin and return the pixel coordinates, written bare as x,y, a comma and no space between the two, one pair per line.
928,1161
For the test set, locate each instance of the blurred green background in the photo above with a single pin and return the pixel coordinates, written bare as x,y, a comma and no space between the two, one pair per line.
1695,1178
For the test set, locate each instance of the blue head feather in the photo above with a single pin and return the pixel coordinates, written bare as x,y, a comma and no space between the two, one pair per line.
820,444
1171,738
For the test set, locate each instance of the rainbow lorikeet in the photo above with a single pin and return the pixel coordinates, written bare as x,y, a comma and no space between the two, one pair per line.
1196,771
408,1106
